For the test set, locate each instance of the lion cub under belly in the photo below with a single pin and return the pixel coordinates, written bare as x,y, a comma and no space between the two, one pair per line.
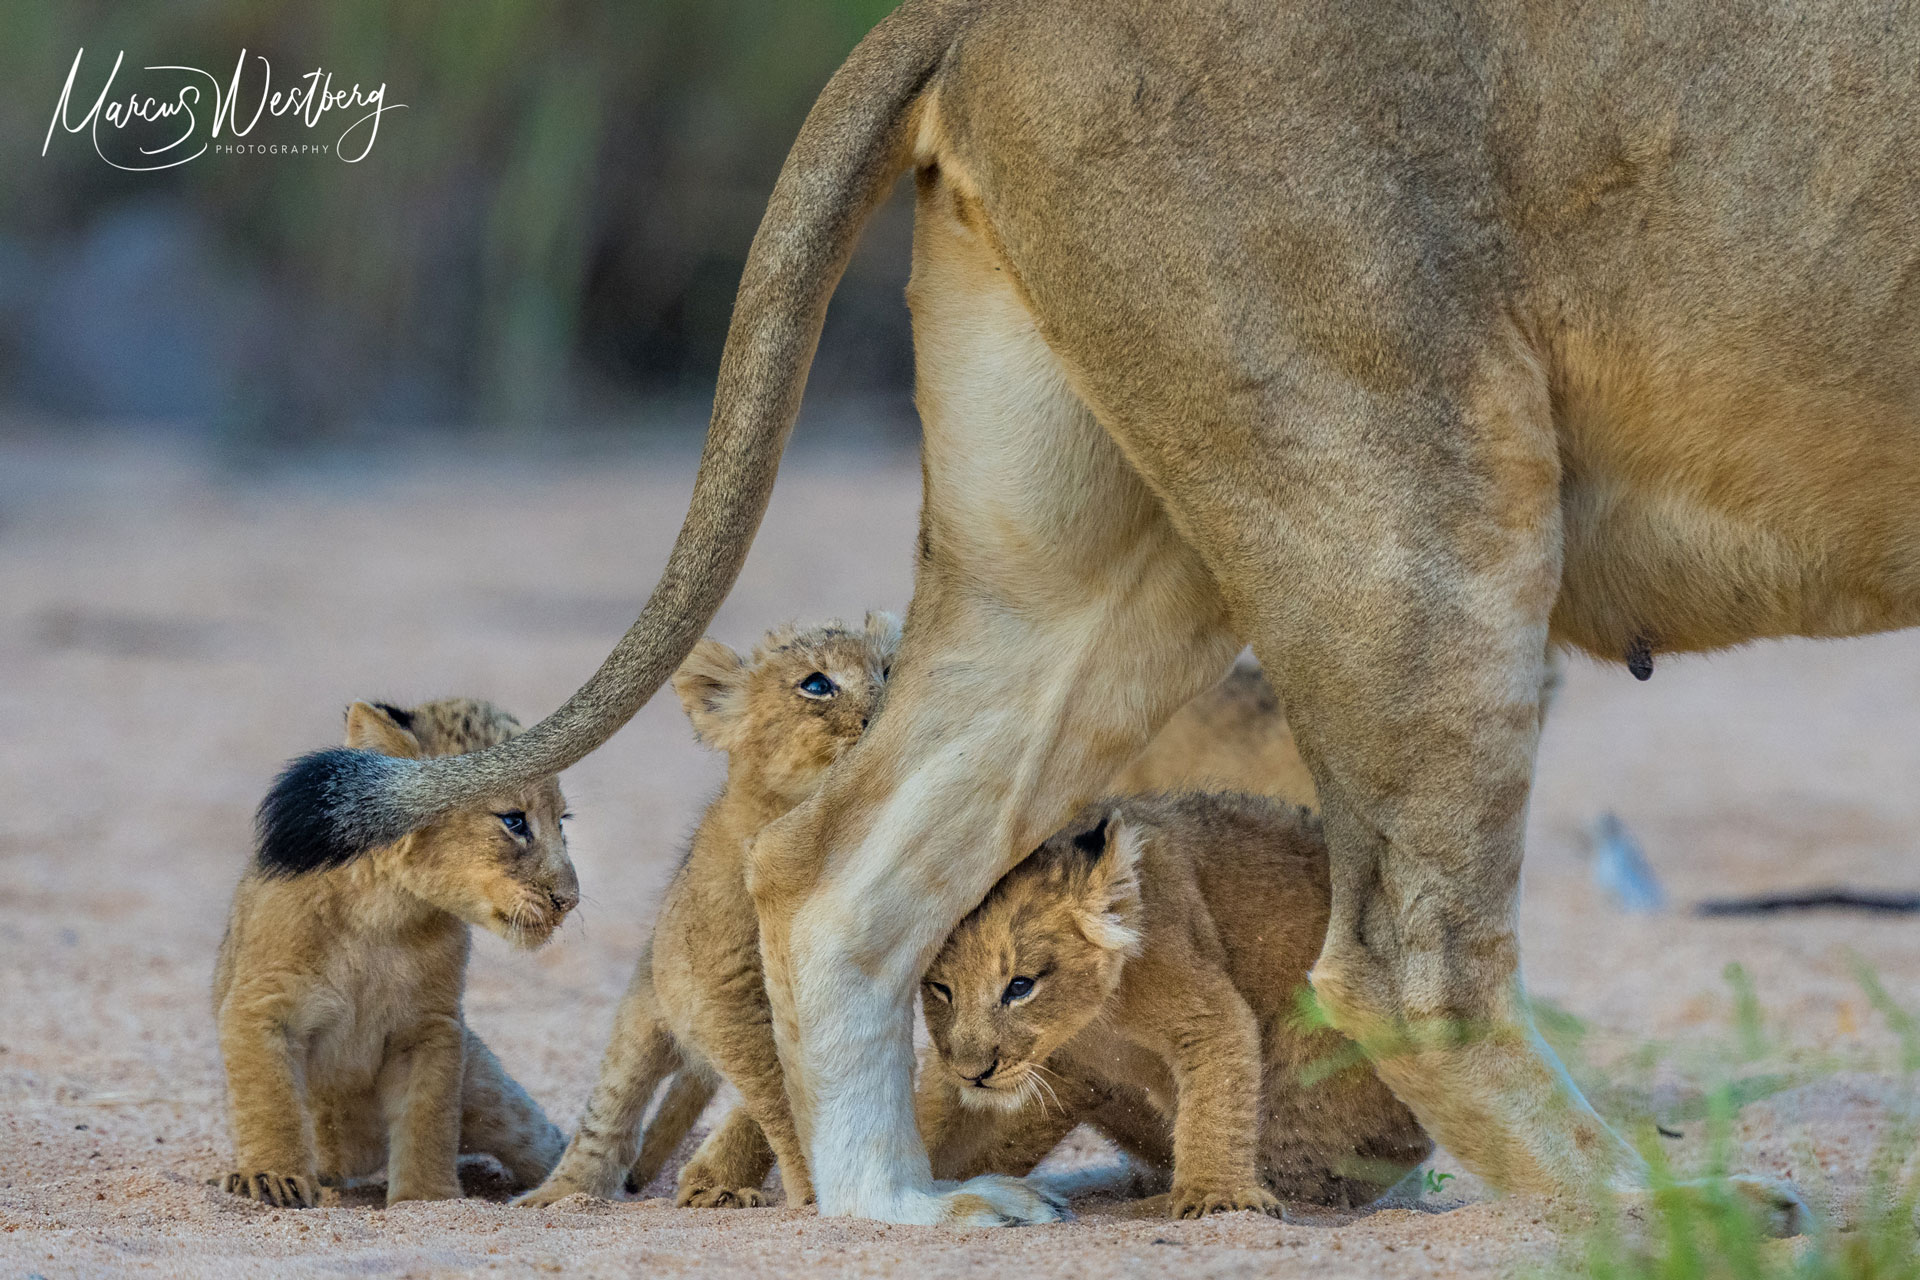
696,1010
338,989
1141,973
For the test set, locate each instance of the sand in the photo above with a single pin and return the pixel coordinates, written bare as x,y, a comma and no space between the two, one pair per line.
171,629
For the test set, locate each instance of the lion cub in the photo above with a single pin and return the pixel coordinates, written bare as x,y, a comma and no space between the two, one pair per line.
1139,973
697,1005
338,989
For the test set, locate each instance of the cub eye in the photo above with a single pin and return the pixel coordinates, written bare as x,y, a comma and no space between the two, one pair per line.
516,824
818,686
942,990
1019,989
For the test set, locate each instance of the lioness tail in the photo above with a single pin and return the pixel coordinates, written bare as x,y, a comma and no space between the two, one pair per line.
326,808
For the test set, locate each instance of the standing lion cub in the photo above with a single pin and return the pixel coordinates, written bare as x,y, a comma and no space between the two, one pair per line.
696,1009
1140,974
338,989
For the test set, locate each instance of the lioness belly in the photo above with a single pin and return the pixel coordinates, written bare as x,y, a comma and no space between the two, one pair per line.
1694,520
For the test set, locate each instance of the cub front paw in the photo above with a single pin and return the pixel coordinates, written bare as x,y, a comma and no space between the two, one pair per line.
1201,1201
282,1190
704,1197
550,1192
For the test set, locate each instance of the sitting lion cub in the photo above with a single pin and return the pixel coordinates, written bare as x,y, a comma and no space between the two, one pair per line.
697,1005
338,989
1140,974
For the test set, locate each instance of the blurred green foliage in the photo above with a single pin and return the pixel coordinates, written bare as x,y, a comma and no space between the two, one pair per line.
1698,1226
566,200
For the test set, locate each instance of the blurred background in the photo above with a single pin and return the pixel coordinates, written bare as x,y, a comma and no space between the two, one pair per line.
546,239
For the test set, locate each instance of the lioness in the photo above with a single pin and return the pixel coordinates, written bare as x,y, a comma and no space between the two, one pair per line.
1396,340
1139,973
338,988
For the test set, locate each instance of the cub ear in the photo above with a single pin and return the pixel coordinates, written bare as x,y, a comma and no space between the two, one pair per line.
383,729
883,636
712,684
1109,908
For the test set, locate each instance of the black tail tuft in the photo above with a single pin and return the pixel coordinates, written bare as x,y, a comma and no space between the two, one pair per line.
326,809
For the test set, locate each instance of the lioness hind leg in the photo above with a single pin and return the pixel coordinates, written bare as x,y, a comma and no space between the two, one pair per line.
1398,594
498,1118
1057,620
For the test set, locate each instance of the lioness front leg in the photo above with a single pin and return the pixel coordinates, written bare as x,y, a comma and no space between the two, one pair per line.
1057,621
420,1086
273,1139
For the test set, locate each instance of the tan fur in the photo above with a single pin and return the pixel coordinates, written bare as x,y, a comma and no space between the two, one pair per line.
697,1004
338,992
1393,340
1232,737
1428,335
779,746
1166,950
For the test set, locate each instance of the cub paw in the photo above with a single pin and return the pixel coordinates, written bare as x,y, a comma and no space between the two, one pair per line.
1201,1201
697,1197
997,1201
550,1192
281,1190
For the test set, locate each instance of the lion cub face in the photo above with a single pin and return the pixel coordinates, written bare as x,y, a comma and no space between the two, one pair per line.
1034,963
786,713
503,866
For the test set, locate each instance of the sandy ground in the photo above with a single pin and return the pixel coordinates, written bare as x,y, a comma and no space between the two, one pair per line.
171,630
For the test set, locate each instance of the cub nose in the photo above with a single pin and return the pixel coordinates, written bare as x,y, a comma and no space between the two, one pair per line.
563,900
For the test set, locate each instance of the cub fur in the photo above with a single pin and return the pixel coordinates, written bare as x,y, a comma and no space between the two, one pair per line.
1138,972
338,991
697,1009
1231,737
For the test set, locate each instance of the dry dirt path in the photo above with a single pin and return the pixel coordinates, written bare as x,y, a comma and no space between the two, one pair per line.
170,632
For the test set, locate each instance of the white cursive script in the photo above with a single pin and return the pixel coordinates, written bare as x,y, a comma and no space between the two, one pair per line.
175,120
